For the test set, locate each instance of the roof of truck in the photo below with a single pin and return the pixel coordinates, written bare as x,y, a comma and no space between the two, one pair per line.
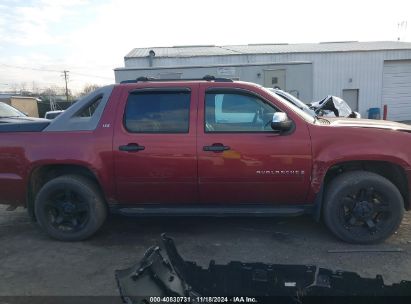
206,78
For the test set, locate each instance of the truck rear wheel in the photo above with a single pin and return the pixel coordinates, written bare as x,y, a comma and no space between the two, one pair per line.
70,208
363,207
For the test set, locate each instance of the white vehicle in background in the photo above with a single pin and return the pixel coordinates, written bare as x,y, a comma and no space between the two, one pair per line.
333,106
330,106
52,114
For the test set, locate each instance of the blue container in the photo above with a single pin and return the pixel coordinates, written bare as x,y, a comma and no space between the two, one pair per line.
374,113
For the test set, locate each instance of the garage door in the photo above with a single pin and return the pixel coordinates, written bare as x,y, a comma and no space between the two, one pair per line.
396,91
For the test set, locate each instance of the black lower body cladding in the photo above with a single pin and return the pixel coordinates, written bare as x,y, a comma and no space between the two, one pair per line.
164,273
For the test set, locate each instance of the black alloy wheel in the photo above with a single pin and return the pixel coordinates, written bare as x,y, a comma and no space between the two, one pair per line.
365,210
362,207
70,208
67,210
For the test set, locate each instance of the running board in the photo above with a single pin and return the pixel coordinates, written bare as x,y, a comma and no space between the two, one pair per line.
213,211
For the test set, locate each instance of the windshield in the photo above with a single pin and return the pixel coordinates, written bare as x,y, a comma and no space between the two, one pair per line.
9,111
294,100
300,112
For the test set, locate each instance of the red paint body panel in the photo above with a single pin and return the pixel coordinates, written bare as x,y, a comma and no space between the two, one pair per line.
166,171
91,149
332,145
231,176
174,168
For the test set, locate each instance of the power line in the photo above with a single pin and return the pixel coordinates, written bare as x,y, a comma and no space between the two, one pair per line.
88,75
52,71
28,68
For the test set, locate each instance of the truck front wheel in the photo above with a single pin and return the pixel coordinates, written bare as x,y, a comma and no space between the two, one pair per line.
70,208
363,207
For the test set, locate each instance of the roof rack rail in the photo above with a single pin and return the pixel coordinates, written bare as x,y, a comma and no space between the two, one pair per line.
128,81
206,78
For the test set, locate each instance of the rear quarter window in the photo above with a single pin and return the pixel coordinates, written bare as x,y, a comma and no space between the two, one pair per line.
89,111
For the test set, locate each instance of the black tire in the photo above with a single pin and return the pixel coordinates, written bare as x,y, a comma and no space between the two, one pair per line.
70,208
363,207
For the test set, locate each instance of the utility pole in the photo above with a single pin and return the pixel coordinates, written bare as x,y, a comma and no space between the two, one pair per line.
65,74
402,29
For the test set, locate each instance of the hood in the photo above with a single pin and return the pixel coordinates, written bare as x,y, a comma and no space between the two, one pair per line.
20,119
368,123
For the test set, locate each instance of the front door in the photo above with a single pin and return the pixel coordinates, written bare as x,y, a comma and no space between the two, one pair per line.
155,146
241,159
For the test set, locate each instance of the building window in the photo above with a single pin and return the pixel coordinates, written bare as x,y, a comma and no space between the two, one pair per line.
157,112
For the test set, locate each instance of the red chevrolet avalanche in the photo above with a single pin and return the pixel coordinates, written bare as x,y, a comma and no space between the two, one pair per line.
208,147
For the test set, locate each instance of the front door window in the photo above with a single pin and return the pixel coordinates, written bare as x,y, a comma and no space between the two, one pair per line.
233,112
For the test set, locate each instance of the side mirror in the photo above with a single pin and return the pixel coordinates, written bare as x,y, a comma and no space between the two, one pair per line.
281,122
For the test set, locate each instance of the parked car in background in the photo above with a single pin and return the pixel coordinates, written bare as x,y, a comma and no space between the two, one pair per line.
12,119
330,106
333,106
52,114
7,111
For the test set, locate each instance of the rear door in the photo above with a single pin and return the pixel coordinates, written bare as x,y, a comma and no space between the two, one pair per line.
241,160
155,145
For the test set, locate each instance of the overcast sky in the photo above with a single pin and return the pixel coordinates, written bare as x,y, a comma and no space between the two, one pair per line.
40,38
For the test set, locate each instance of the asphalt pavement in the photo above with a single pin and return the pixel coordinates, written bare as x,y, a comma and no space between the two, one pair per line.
33,264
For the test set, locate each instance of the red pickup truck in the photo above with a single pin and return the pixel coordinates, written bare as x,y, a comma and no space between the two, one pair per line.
209,147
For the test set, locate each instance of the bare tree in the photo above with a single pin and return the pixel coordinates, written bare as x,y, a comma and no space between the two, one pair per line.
52,91
23,87
88,88
35,88
14,87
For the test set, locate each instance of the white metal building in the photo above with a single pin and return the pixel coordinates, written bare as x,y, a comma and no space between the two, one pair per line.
365,74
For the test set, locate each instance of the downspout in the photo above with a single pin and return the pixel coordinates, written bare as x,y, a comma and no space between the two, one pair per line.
151,55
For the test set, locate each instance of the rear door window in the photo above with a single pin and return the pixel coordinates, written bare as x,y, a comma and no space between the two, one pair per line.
157,112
